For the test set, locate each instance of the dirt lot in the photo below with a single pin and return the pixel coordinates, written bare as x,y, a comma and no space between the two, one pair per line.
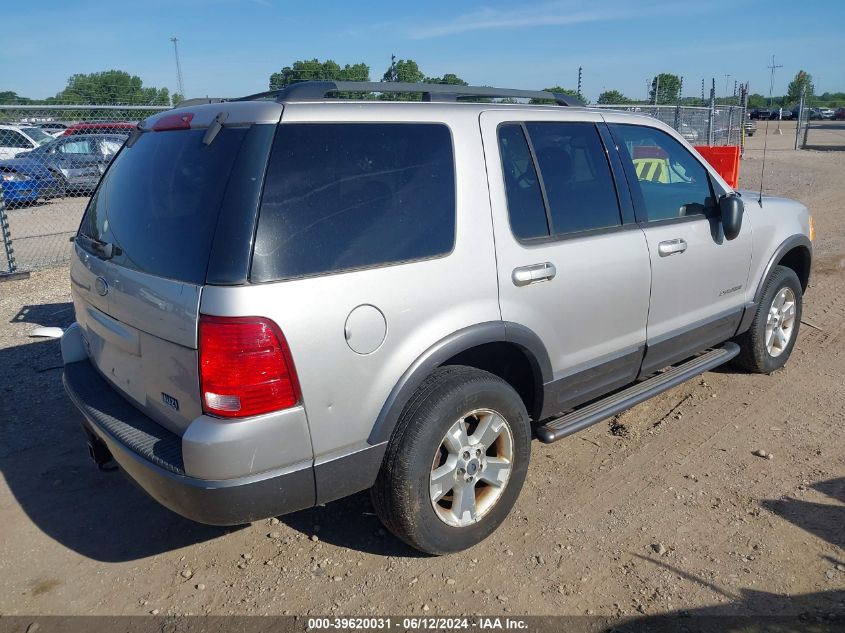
663,509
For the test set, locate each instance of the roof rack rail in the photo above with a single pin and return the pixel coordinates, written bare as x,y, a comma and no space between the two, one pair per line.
318,90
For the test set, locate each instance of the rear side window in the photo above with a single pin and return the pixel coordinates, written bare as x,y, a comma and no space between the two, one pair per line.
576,175
160,199
341,196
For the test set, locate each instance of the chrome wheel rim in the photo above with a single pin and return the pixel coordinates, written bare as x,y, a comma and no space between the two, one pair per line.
471,468
780,323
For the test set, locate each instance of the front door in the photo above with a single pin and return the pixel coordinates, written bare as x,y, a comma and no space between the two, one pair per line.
698,277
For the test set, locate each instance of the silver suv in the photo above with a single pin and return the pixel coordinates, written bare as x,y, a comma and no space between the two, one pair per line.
287,298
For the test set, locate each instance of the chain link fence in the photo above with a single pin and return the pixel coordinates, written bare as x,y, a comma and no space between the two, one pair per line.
718,125
51,158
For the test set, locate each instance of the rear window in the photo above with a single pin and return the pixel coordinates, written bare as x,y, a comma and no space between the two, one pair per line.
342,196
159,201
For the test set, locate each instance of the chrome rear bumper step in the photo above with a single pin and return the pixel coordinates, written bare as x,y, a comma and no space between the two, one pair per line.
602,409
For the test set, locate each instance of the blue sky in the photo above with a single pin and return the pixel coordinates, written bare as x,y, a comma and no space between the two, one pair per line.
230,47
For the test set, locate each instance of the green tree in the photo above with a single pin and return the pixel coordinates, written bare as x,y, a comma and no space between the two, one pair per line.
449,78
610,97
404,70
667,87
757,101
802,82
176,99
110,87
315,70
12,98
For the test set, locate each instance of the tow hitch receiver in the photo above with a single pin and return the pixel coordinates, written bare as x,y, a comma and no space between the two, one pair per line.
99,453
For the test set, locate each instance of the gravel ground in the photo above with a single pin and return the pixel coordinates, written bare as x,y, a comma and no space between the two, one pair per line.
663,509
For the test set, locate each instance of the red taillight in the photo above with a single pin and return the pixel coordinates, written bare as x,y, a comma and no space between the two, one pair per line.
174,122
245,367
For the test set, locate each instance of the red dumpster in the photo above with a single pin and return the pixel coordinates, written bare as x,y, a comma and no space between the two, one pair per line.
724,159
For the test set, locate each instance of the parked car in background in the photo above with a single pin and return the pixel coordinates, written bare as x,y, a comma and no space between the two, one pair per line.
67,165
761,114
826,113
53,128
18,188
15,139
839,115
108,127
787,113
750,126
689,133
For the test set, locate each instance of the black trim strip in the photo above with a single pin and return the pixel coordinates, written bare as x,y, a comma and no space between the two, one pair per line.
681,344
587,384
640,392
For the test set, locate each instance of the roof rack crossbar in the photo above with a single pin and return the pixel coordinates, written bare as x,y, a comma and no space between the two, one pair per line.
318,90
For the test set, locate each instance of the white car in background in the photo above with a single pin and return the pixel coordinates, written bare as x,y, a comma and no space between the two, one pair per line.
15,139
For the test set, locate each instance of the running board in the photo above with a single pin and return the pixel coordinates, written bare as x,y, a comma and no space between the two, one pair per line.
601,410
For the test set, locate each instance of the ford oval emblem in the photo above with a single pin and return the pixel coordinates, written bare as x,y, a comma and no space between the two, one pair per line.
101,286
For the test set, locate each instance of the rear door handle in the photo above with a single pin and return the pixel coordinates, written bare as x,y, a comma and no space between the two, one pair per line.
534,273
671,247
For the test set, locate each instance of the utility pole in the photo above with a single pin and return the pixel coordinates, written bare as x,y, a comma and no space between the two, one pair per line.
727,76
656,88
178,66
579,83
702,91
773,68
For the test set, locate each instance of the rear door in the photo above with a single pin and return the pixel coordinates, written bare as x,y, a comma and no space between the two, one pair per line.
572,264
698,277
141,259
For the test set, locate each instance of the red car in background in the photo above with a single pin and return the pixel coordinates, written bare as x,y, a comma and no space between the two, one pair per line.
839,115
100,128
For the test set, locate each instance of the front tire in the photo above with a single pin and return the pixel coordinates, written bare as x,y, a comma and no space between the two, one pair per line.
456,462
767,344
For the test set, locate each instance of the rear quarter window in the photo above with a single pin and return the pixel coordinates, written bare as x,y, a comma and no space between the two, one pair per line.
344,196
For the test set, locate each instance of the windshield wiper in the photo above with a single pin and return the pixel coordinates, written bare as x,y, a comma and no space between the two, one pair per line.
103,250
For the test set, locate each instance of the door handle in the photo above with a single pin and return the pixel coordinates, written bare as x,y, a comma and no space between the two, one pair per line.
671,247
534,273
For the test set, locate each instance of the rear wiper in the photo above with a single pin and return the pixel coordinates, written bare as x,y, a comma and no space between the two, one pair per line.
103,250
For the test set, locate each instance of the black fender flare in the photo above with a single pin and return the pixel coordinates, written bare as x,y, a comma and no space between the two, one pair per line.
787,245
445,348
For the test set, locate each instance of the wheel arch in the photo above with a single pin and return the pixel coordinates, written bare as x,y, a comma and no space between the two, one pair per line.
477,346
795,252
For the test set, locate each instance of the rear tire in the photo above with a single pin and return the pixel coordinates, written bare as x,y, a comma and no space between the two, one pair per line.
456,462
767,344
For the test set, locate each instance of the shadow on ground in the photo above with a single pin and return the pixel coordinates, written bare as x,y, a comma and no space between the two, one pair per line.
45,463
350,522
103,515
824,520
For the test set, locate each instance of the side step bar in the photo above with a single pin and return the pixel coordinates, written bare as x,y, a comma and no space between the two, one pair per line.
601,410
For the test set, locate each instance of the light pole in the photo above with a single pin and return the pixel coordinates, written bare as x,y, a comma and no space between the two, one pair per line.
178,66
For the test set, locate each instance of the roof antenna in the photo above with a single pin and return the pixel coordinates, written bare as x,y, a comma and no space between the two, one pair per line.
763,168
773,68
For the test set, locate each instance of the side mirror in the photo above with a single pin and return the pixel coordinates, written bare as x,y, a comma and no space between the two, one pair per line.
731,209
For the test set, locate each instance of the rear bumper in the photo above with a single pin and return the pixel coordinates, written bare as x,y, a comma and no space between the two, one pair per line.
152,457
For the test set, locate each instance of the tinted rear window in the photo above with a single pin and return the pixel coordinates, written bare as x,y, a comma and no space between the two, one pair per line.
160,199
341,196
